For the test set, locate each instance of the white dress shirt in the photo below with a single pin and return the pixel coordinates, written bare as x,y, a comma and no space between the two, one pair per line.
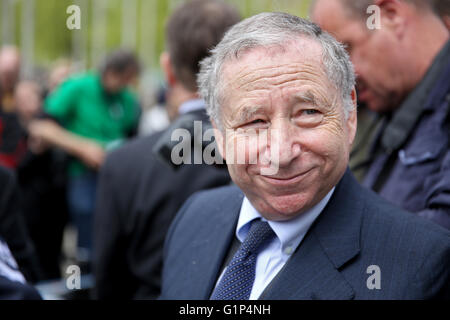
289,235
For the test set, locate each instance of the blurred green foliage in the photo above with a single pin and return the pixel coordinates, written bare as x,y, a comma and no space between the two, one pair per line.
53,40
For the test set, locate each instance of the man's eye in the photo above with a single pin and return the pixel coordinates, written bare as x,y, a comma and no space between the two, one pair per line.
255,124
310,112
309,118
257,121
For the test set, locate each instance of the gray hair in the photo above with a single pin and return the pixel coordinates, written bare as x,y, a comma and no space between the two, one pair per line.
273,29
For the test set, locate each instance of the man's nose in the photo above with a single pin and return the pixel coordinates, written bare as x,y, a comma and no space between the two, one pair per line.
285,138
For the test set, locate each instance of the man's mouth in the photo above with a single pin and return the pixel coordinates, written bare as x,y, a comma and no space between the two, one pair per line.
287,180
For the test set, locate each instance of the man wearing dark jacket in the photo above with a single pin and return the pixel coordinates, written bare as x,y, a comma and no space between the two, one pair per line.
297,226
138,193
403,68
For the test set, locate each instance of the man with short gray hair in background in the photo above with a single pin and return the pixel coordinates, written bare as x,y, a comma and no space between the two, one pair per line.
401,54
280,91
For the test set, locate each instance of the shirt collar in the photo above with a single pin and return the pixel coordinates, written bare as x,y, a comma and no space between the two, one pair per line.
290,233
192,105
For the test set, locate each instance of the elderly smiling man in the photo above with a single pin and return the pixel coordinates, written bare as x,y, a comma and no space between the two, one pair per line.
307,230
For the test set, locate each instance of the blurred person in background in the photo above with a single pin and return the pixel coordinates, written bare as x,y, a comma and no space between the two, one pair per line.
13,144
403,71
90,114
27,102
12,135
9,76
41,177
140,190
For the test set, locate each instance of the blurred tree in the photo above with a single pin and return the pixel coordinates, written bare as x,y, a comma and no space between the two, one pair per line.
52,39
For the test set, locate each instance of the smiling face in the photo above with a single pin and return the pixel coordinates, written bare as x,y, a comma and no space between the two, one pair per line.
286,93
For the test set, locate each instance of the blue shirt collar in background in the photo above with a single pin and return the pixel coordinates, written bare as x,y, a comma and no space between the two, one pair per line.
192,105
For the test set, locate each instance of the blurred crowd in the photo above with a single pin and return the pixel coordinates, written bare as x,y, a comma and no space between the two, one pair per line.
40,174
70,158
51,167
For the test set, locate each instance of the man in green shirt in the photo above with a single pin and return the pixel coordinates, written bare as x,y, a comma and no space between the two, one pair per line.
90,114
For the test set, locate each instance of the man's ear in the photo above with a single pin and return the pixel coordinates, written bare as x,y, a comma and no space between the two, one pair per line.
352,121
220,139
167,68
393,15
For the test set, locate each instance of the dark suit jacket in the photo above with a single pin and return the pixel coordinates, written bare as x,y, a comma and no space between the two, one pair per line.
137,198
357,229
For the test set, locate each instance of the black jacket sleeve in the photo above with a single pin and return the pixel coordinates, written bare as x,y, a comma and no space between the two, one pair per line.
109,260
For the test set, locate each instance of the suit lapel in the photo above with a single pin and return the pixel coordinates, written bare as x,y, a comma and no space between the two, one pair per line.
313,272
309,275
214,244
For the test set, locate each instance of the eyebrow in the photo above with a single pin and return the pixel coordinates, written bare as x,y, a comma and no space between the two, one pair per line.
246,113
307,96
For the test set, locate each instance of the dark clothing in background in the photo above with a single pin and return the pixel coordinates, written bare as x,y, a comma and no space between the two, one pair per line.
13,228
411,156
42,181
369,123
12,290
42,186
13,144
137,198
13,285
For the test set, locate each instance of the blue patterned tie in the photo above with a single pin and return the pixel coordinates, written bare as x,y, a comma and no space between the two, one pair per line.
237,282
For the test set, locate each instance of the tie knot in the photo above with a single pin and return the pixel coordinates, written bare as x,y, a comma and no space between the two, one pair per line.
260,232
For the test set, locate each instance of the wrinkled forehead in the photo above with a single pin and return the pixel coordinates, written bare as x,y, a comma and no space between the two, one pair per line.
275,68
254,60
